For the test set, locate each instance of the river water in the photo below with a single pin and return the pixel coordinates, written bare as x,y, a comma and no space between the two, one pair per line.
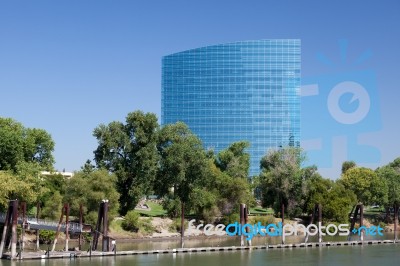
386,254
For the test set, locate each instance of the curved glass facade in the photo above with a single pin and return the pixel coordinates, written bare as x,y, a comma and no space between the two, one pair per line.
246,90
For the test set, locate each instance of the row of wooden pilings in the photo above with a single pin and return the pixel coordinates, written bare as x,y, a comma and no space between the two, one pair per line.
10,235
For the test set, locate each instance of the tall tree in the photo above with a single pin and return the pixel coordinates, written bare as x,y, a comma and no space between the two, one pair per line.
24,145
336,200
89,189
129,151
234,160
369,187
281,180
15,187
183,163
391,174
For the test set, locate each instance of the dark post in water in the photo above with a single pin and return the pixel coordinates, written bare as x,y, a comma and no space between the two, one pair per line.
319,222
80,225
66,208
10,220
37,220
242,221
182,224
283,221
396,219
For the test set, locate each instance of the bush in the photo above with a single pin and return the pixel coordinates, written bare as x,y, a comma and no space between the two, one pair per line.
210,215
176,225
131,222
264,220
231,218
172,206
145,225
46,236
91,218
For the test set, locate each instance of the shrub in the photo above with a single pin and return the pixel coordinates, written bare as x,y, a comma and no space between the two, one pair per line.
145,225
91,218
131,222
176,225
46,236
210,215
172,206
264,220
231,218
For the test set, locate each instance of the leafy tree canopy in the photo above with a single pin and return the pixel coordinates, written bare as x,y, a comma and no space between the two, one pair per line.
183,163
391,174
234,160
24,145
281,179
89,189
368,186
129,151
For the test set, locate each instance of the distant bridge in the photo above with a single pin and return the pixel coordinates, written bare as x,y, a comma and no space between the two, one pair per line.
39,224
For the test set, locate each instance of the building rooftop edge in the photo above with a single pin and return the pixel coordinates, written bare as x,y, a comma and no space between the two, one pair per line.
230,43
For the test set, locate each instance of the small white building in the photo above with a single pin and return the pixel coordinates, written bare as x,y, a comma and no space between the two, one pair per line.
67,175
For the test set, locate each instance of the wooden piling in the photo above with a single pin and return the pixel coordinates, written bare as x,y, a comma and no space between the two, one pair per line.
246,220
361,222
242,222
353,219
5,228
23,209
97,228
396,219
319,222
66,209
106,244
58,229
283,221
102,218
182,224
80,225
14,228
37,231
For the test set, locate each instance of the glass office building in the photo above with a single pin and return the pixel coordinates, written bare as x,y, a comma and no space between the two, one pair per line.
247,90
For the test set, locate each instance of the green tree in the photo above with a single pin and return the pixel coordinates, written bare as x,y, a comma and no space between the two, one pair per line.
337,203
89,189
234,160
230,191
335,199
183,164
315,188
369,187
52,207
281,180
19,144
14,187
129,151
391,174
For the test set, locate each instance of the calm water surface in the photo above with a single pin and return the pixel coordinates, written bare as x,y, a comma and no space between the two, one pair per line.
388,254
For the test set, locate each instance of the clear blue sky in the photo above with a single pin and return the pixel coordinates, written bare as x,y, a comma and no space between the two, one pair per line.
67,66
